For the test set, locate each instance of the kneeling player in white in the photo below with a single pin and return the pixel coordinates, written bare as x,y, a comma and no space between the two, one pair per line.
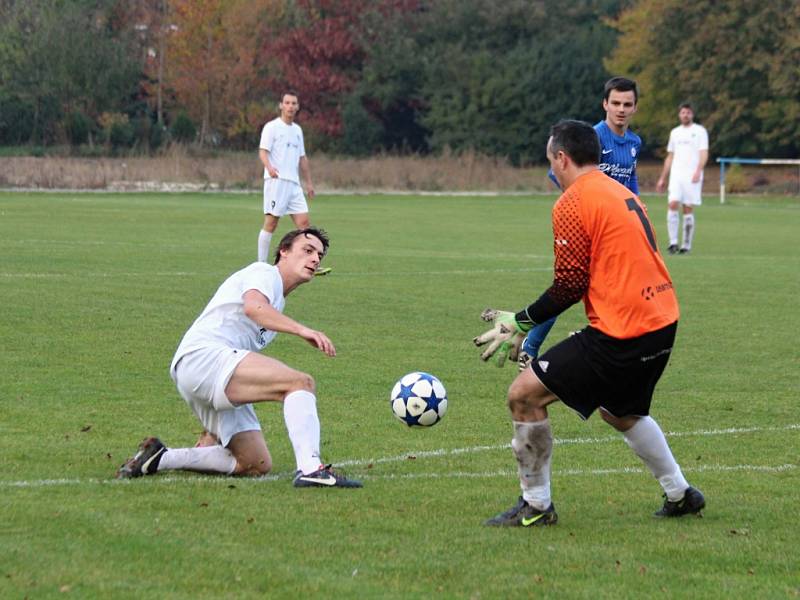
220,373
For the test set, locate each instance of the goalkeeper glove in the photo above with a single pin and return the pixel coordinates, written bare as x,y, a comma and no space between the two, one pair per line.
504,339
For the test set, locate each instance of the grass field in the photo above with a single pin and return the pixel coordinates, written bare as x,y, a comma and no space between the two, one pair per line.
97,290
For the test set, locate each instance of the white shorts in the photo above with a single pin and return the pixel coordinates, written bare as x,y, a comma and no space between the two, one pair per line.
201,377
283,197
685,192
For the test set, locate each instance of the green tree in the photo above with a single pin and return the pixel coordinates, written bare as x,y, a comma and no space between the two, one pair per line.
497,76
391,84
59,56
735,60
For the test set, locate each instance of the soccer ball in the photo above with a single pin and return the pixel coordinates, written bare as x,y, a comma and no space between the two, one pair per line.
418,399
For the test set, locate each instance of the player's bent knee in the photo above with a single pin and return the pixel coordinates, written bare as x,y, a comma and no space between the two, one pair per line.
301,221
253,468
527,397
302,382
519,399
621,424
606,416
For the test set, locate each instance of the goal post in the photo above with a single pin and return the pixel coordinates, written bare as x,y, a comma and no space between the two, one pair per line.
748,161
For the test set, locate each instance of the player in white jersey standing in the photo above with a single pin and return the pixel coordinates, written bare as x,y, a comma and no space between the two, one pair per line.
282,152
220,373
687,154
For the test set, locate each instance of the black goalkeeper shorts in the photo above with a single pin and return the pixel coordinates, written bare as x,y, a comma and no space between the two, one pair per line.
590,369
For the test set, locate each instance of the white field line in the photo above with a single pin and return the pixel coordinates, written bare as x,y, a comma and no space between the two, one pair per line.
173,479
338,273
84,276
584,472
178,479
558,441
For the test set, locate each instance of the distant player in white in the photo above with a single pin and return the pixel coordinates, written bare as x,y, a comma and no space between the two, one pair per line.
687,154
220,372
283,154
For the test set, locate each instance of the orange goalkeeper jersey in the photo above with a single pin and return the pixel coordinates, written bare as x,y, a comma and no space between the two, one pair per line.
606,251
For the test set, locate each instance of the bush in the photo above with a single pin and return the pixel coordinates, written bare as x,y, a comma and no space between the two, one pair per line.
183,129
362,133
16,121
121,135
85,151
158,135
736,180
77,127
141,131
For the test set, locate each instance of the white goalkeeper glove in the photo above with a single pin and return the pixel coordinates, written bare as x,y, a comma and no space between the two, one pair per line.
504,339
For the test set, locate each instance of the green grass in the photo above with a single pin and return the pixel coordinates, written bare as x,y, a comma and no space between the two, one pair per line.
97,290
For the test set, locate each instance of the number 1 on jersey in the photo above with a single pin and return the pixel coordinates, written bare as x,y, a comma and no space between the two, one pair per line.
648,230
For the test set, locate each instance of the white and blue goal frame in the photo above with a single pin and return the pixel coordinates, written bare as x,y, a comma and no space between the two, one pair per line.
748,161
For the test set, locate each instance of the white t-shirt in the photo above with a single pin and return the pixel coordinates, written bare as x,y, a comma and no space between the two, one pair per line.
223,320
685,143
284,142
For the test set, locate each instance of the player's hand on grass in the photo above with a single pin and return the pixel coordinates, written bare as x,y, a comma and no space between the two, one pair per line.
504,339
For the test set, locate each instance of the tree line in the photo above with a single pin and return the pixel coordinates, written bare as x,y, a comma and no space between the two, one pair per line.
421,76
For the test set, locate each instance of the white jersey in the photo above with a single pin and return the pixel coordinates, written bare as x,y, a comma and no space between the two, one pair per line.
223,321
685,143
284,142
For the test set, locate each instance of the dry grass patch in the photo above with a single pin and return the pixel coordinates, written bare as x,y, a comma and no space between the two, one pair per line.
179,168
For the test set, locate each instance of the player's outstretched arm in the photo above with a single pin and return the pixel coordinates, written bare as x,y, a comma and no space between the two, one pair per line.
504,339
258,308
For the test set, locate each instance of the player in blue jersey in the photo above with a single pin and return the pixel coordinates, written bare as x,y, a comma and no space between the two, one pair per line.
619,146
619,151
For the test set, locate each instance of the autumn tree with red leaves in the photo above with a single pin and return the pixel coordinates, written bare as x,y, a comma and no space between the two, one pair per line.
319,52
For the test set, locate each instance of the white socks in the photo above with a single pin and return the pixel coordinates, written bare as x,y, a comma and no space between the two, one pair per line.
302,423
673,223
533,446
688,231
264,238
648,442
208,459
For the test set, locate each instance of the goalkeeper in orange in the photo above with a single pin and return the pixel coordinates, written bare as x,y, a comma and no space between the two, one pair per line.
605,255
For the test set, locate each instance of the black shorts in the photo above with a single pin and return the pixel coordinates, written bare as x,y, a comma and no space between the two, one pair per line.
591,369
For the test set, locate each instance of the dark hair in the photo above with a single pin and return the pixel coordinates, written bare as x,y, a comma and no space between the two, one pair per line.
576,139
686,105
621,84
288,93
287,240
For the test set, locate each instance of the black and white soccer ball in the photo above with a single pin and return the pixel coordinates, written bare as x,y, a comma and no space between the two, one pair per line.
419,399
